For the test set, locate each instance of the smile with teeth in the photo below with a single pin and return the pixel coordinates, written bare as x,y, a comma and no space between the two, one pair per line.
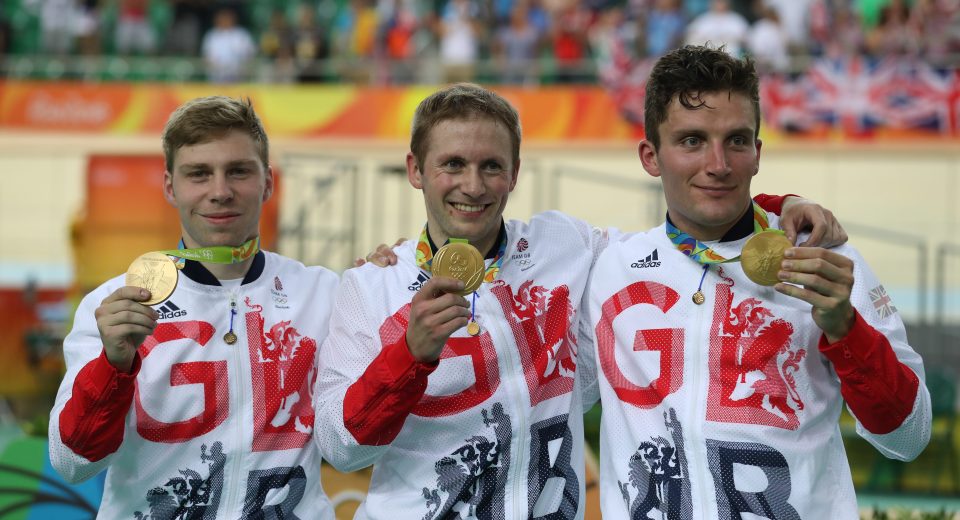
467,207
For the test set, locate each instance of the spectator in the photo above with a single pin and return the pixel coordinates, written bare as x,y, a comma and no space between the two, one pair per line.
397,40
767,42
613,32
227,49
893,35
56,24
355,30
309,40
134,33
190,18
846,38
665,26
719,26
930,20
87,27
794,20
459,40
569,39
276,46
517,46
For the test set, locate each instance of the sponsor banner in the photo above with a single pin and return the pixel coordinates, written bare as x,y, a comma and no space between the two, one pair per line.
849,100
548,114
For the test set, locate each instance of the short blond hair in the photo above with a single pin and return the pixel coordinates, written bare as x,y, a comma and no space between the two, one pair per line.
204,119
458,102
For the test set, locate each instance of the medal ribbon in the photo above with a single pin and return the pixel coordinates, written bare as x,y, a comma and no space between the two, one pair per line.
425,255
216,254
703,254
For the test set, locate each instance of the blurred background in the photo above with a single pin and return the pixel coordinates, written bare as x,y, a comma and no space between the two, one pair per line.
861,112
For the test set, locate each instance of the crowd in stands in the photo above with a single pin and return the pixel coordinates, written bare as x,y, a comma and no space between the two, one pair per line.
497,41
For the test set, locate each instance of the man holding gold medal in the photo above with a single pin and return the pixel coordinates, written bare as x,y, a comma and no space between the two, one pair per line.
722,369
453,372
205,412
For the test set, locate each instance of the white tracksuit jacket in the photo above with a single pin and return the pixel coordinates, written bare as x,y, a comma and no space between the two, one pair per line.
495,430
203,429
732,406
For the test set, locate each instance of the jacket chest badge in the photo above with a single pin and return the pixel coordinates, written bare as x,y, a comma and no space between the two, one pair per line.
280,298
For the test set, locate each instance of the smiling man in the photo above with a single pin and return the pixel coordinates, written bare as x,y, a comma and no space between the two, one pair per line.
202,410
721,397
464,422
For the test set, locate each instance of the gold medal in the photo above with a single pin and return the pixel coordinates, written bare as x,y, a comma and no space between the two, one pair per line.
462,261
699,298
155,272
762,255
473,328
230,338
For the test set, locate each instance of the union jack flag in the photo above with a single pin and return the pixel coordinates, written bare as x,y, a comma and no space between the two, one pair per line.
882,302
853,97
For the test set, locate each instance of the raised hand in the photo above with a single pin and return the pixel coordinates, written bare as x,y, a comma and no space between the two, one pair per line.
826,280
799,214
436,312
124,323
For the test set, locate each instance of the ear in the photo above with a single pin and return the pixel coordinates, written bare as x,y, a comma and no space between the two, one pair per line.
168,189
414,175
268,185
648,157
516,173
759,145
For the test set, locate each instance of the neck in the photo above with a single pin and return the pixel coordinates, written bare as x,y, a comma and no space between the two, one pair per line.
737,229
698,233
229,271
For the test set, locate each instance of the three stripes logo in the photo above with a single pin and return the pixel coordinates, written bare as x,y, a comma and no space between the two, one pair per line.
421,279
170,310
652,260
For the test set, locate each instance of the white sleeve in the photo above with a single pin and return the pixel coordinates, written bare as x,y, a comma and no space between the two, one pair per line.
351,346
80,347
872,302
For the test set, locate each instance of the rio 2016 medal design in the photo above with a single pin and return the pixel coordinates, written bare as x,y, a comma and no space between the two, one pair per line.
462,261
155,272
762,255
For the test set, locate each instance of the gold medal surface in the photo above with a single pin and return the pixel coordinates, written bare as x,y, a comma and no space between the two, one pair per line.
762,255
230,338
155,272
461,261
698,297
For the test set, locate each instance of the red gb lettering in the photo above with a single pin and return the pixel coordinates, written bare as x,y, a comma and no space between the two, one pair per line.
540,322
668,342
752,365
212,375
283,371
483,359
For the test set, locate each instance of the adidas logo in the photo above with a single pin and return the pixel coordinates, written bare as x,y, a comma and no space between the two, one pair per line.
652,260
421,279
170,310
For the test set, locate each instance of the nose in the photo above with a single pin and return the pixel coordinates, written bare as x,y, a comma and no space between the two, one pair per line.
220,189
717,160
471,183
